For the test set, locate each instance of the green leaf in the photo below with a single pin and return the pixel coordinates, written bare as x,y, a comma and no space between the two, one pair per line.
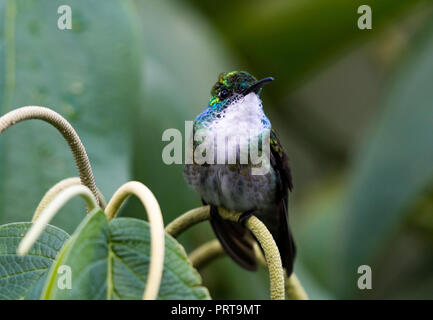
91,75
130,245
394,166
19,275
111,261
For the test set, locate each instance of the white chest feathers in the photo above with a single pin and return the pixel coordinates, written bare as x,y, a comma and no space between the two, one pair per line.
240,119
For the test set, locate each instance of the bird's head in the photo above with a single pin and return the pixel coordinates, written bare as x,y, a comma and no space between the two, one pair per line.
232,86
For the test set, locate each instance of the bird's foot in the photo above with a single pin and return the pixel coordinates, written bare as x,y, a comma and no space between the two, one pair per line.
245,216
214,212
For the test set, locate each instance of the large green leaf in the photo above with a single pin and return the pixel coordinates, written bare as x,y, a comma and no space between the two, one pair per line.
90,74
18,275
395,165
111,261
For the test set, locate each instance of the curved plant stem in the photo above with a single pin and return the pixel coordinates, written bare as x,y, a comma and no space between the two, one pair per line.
50,211
294,288
188,219
262,234
67,131
272,255
206,253
157,235
56,189
292,285
211,250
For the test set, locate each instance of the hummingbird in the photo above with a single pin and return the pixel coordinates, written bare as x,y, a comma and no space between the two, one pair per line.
235,109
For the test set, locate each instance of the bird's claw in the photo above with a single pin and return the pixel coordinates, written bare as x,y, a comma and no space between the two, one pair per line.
245,216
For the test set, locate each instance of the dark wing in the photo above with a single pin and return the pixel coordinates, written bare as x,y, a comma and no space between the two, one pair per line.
283,236
280,162
236,240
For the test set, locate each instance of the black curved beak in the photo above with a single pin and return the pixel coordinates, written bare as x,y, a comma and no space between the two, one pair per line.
256,86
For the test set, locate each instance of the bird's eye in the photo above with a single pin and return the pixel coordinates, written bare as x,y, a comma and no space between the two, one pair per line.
223,94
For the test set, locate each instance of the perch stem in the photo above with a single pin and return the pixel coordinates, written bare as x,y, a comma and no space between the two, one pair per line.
188,219
262,234
67,131
292,285
212,250
157,236
272,254
294,288
50,211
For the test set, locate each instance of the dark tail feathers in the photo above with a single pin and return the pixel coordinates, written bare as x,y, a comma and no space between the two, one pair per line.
236,240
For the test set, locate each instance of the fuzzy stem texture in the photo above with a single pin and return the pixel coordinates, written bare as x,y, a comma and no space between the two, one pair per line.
262,234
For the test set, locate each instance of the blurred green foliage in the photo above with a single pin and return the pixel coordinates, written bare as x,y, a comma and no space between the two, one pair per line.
128,70
395,163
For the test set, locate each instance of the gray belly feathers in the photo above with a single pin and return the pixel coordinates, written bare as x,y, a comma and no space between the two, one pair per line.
232,187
